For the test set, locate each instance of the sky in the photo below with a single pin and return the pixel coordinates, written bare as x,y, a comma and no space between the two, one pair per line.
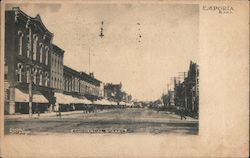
144,65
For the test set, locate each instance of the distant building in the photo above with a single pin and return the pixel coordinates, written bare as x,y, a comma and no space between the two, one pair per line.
80,83
113,91
27,58
168,99
101,90
90,86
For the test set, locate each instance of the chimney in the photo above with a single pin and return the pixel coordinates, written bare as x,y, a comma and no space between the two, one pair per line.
91,74
15,8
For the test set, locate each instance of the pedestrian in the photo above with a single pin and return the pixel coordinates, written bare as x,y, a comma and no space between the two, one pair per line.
182,113
59,109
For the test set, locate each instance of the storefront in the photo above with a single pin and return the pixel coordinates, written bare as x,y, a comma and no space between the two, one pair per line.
39,102
69,103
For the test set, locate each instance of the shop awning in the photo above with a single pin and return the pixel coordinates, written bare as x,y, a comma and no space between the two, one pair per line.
98,102
24,97
68,99
122,103
113,103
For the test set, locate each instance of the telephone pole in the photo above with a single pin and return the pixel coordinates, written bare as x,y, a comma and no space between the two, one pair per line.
185,93
89,60
30,67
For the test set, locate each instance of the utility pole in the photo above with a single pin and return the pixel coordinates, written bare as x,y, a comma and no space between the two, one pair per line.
30,93
30,67
196,86
185,93
89,60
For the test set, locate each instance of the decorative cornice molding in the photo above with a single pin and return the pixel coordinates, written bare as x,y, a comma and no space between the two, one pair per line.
34,20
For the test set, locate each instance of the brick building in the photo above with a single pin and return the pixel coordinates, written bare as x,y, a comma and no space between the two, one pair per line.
27,59
81,83
56,71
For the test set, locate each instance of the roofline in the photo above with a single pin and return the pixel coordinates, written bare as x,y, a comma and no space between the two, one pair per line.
80,73
37,18
53,45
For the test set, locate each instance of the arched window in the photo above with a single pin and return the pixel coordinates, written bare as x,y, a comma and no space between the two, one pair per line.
34,73
41,52
40,77
28,75
20,42
46,78
52,82
19,72
46,55
35,39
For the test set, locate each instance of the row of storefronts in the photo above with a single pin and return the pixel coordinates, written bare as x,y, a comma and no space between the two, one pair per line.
185,94
35,76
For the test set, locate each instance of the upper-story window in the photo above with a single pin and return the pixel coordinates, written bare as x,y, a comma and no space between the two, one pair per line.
55,83
46,78
28,47
35,39
19,72
20,42
58,83
41,52
34,73
40,77
28,75
46,55
55,61
52,82
52,58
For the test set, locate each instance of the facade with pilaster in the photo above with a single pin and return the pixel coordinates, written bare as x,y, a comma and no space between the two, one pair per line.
27,59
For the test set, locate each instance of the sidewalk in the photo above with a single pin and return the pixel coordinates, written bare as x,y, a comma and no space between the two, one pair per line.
42,115
48,114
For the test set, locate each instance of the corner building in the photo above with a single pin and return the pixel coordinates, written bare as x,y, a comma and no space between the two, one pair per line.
27,59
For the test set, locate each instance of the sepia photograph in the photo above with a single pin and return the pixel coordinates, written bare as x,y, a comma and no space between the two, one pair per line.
91,72
116,78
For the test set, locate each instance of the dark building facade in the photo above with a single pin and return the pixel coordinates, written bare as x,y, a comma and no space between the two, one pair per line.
27,58
35,76
187,92
115,93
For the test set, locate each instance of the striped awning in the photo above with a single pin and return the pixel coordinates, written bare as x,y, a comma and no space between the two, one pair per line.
24,97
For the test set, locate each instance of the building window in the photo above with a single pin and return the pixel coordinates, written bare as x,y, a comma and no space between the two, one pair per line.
46,55
19,72
46,79
28,47
34,73
41,52
35,39
55,83
58,83
20,41
52,58
52,82
40,78
28,75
